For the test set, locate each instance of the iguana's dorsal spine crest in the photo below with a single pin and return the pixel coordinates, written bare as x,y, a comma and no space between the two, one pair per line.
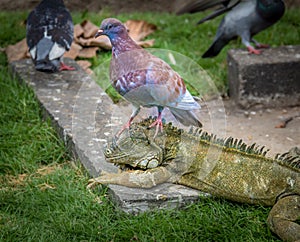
239,146
233,144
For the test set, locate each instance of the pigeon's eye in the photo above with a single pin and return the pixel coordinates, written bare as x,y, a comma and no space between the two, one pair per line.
109,26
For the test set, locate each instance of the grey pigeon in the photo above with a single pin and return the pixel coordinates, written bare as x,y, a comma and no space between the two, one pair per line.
245,18
146,80
49,35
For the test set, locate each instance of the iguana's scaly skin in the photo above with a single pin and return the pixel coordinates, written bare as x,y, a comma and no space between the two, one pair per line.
224,168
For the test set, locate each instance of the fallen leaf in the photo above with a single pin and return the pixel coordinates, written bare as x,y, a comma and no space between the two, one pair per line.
78,30
74,51
139,29
89,29
89,71
146,43
84,64
102,42
15,181
46,170
44,186
17,51
88,52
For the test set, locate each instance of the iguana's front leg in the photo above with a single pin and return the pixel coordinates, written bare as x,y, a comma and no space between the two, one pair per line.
138,178
284,216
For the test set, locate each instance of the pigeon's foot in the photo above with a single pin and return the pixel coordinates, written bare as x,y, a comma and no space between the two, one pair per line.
159,126
64,67
252,50
125,126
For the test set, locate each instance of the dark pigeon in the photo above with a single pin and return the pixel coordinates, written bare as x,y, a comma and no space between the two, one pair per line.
244,19
146,80
49,35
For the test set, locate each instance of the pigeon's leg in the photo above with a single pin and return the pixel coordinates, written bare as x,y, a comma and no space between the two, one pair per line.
158,122
135,111
64,67
260,45
246,41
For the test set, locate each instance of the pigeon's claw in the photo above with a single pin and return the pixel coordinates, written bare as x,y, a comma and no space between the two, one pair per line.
252,50
64,67
159,126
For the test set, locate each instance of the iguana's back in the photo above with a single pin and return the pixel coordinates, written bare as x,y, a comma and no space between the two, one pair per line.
241,177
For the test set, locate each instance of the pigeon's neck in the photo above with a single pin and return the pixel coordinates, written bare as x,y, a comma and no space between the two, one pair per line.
122,43
270,10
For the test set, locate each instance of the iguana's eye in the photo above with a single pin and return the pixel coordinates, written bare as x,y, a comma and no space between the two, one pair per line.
108,152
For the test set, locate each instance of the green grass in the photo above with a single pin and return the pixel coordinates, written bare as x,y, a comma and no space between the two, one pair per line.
43,196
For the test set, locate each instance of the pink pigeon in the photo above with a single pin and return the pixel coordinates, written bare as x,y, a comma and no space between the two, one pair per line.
146,80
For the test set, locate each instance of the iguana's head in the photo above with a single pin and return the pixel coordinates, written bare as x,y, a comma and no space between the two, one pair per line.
136,148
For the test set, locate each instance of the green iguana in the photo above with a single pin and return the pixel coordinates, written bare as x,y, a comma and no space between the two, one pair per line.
225,168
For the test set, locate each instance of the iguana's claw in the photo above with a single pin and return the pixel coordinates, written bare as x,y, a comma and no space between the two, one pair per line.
96,181
92,183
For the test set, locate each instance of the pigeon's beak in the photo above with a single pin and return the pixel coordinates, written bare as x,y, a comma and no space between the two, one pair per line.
99,33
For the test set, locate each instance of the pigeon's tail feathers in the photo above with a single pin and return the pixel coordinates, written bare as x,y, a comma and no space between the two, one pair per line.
215,48
186,117
198,6
46,66
213,15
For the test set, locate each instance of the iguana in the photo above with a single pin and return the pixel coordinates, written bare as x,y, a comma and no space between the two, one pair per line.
225,168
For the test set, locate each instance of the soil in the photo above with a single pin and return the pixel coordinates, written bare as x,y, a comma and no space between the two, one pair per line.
250,125
276,129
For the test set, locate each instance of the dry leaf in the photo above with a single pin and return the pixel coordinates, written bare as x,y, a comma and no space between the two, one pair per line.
84,64
46,170
139,29
74,51
89,71
78,30
89,29
88,52
15,181
146,43
44,186
17,51
102,41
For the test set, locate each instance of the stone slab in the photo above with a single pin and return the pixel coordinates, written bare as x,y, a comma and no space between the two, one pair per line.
81,112
271,79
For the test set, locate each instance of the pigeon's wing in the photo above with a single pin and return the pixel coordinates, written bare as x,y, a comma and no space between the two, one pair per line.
61,29
146,79
34,29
